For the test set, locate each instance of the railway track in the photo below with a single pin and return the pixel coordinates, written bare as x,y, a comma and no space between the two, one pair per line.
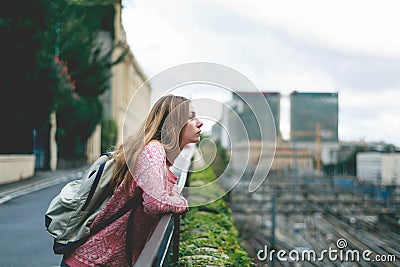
254,210
360,242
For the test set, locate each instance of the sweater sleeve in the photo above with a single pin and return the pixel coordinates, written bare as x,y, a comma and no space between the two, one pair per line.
151,179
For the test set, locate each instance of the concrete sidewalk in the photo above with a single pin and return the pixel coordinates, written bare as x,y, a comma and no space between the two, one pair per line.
40,180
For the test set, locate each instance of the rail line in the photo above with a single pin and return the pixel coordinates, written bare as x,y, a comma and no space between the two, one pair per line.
324,215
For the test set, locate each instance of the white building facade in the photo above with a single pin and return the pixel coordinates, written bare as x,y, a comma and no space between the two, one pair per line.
380,168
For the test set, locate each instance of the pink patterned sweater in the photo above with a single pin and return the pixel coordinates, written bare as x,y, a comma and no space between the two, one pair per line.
160,196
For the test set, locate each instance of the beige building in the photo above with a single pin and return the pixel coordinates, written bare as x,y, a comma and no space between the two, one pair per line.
391,169
129,97
128,100
128,86
379,168
252,154
286,158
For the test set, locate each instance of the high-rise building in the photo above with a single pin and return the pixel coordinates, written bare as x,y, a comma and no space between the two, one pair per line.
314,123
248,105
249,127
307,110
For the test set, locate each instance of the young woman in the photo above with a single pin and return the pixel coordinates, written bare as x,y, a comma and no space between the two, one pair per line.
142,167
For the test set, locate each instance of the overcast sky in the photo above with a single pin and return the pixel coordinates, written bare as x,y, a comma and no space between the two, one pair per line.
351,47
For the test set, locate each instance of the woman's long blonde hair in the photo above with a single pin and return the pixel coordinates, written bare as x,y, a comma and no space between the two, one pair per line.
165,123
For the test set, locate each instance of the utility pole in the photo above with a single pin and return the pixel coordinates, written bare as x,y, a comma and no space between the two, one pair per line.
318,145
294,171
273,220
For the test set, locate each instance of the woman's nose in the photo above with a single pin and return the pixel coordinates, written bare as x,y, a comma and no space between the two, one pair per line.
199,123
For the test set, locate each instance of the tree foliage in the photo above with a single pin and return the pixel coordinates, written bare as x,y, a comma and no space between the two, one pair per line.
109,134
29,76
348,166
214,154
92,2
56,56
89,63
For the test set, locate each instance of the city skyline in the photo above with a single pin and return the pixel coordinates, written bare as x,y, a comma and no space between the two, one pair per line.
303,48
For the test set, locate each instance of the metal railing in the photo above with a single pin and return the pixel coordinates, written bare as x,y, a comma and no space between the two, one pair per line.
166,234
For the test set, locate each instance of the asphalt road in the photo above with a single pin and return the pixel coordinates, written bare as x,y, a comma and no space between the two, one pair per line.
23,238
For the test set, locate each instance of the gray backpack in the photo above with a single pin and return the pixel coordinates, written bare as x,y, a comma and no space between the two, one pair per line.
71,213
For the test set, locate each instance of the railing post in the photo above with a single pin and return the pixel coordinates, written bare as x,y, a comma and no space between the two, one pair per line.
175,239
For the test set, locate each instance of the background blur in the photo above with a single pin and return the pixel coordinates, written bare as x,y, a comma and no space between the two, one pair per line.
329,72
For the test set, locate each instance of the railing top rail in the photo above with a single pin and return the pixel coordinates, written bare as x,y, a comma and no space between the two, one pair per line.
180,168
151,248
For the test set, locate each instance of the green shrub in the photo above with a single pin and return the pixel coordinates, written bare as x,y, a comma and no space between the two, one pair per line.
208,236
109,134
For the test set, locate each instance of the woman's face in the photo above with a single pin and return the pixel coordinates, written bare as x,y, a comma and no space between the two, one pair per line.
191,131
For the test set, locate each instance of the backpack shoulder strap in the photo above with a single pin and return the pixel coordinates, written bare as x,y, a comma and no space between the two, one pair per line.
94,185
96,182
131,204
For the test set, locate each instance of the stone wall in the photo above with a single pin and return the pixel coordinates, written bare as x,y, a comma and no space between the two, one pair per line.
16,167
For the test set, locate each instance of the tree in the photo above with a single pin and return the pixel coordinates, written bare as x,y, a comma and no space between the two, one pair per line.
89,64
30,78
348,166
52,61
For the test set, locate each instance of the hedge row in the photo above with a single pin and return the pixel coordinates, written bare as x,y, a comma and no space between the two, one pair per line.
208,236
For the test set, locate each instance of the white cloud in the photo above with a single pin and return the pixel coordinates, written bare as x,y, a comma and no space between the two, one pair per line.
350,47
159,41
358,26
380,100
374,117
299,79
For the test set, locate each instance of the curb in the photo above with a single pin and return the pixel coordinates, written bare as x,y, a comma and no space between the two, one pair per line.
29,188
